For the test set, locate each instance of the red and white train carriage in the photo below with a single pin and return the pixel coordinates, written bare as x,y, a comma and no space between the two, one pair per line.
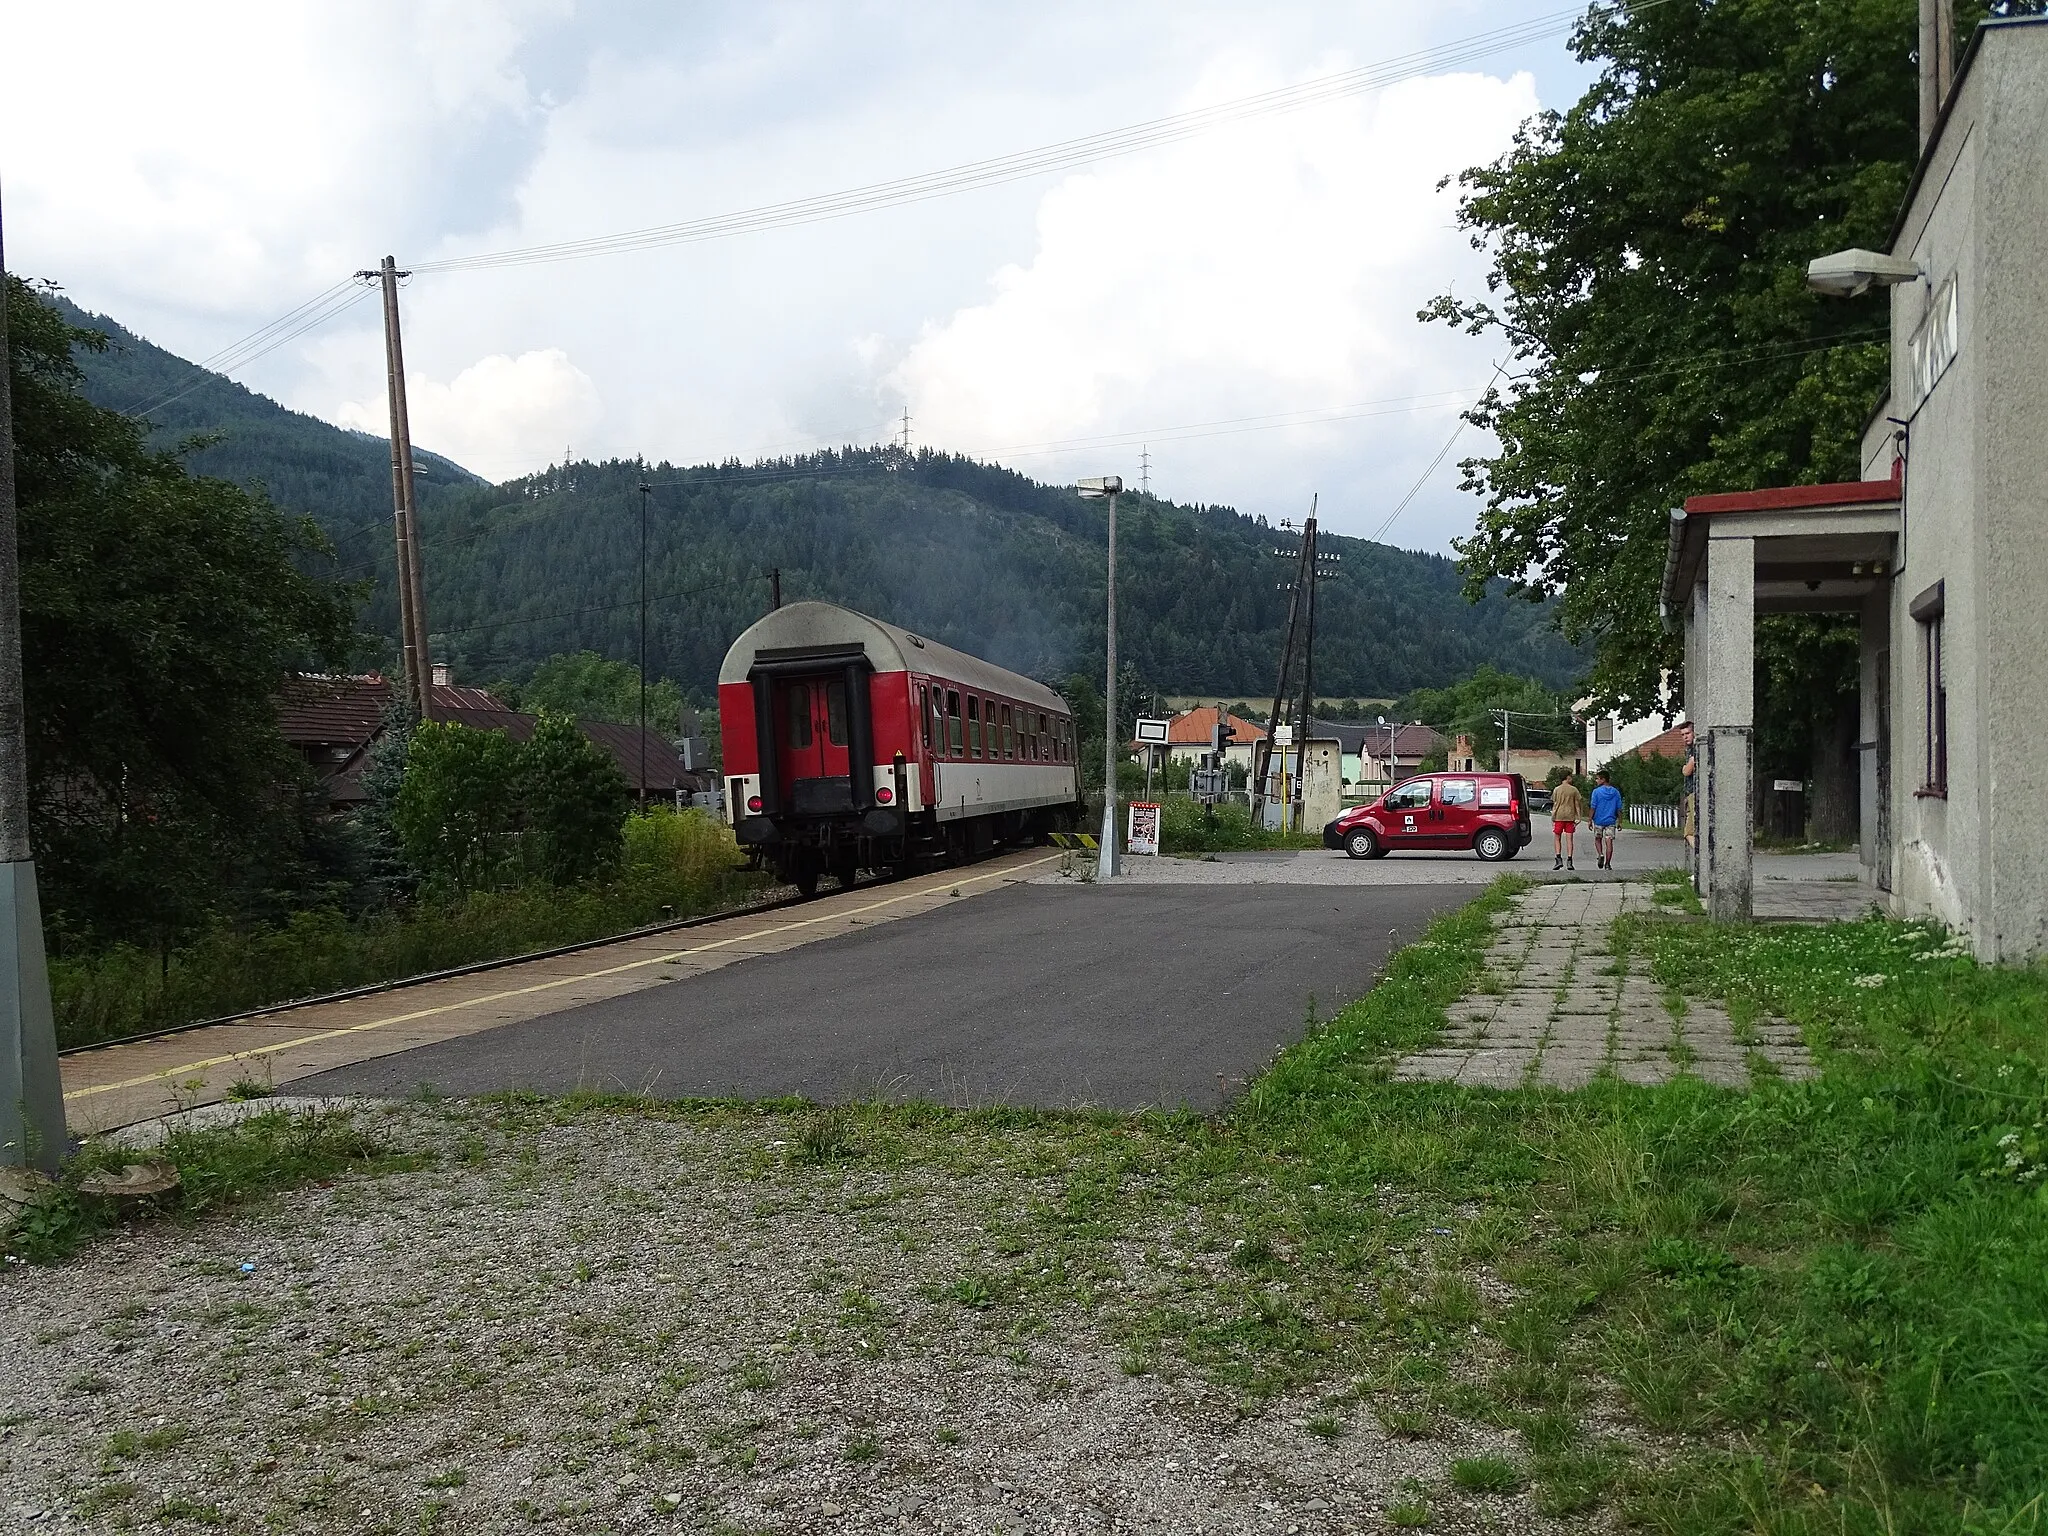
852,744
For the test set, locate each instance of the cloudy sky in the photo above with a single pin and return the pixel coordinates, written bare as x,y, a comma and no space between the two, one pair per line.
1241,300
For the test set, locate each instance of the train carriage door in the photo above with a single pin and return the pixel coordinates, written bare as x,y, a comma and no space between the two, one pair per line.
811,736
796,736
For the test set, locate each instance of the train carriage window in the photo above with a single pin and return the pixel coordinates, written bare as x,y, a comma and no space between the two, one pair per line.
953,738
924,716
797,701
1009,738
1042,742
973,726
835,714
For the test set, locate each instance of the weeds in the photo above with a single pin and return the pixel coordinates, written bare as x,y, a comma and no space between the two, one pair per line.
219,1167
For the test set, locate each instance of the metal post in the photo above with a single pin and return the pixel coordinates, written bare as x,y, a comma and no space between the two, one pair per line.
1109,861
645,492
32,1130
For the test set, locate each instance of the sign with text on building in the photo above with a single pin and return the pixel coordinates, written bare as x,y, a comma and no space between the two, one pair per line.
1152,732
1283,735
1143,835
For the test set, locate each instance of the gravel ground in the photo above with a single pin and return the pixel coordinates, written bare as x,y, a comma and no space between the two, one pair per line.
599,1320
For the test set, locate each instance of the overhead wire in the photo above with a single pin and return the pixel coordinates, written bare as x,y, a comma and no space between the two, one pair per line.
1066,154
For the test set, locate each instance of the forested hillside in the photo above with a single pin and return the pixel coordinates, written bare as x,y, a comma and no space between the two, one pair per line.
978,556
342,478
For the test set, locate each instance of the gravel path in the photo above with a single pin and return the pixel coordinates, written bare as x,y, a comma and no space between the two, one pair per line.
603,1320
1560,1009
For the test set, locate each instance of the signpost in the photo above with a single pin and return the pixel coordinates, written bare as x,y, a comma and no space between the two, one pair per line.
1143,834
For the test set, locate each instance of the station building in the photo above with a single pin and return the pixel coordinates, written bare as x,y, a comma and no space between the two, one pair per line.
1941,548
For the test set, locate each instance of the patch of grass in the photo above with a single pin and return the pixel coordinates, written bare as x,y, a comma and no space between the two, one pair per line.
1326,1426
826,1137
219,1167
1486,1474
102,1497
862,1448
243,1089
179,1510
1408,1515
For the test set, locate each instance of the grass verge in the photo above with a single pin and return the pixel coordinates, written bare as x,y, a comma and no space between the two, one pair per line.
220,1168
1811,1307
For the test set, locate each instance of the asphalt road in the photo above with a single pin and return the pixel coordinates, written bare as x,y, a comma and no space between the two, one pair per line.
1123,997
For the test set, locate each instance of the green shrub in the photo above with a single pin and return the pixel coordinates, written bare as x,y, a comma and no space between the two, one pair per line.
674,864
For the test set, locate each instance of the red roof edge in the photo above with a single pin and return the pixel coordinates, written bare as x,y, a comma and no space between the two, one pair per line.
1846,493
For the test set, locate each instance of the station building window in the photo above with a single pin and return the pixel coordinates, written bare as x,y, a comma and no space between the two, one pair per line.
1927,613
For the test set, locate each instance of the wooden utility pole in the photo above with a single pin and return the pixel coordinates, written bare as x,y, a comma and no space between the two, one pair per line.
775,586
1308,653
32,1129
412,599
1262,762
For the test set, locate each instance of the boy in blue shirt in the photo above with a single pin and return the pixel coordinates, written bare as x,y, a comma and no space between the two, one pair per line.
1606,812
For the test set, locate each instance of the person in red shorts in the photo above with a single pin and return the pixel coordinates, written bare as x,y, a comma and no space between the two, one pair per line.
1567,809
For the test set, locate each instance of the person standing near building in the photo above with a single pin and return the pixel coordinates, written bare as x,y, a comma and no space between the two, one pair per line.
1567,809
1606,812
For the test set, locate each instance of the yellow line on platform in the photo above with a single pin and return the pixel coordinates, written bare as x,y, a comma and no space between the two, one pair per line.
542,986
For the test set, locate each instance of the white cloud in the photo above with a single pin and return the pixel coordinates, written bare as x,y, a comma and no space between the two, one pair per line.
232,159
501,416
1274,269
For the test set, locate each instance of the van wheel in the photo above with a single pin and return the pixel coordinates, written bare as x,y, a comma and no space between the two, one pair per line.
1363,845
1493,845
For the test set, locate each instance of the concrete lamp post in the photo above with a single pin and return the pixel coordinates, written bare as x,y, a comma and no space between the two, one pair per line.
1097,487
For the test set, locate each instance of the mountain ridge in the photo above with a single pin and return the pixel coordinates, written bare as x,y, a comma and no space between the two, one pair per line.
976,555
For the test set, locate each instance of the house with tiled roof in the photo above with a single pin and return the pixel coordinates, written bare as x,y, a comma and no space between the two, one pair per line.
1189,734
331,722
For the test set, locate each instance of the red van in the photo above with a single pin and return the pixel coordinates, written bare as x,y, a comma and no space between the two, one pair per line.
1485,812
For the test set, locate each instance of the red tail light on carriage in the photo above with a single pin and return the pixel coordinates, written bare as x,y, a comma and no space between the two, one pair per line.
884,795
754,804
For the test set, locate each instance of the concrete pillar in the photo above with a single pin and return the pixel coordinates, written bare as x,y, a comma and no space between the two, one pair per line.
1699,701
1726,737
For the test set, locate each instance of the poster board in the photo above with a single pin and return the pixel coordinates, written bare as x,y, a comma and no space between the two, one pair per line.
1142,835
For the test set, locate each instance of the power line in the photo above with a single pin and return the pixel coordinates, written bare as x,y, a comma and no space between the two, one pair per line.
309,316
1066,154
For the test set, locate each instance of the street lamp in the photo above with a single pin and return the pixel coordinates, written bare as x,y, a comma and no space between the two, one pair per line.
1845,274
1093,488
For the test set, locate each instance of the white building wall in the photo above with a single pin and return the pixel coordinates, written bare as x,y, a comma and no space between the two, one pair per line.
1976,513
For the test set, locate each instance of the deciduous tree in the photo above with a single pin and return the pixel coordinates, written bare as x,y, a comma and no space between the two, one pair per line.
162,613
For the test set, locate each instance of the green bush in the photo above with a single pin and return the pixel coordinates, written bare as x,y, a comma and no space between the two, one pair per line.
674,864
1185,828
